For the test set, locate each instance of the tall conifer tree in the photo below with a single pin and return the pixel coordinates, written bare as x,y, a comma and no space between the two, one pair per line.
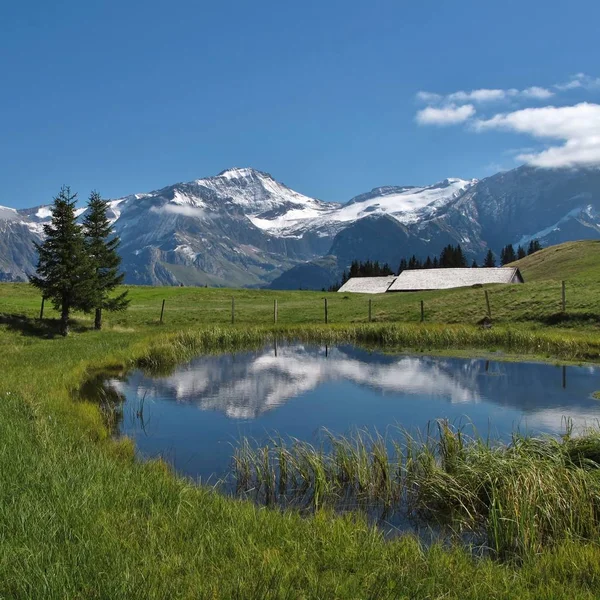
102,247
64,273
490,259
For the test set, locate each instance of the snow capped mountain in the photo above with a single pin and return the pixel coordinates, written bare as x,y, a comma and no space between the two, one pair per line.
244,228
257,193
406,204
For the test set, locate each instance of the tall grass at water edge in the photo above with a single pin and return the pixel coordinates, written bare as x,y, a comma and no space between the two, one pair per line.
172,349
520,497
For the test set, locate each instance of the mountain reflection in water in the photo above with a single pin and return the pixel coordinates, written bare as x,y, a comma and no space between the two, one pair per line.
297,389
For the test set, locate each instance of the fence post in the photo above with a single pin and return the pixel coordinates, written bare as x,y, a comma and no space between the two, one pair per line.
162,311
487,301
326,313
370,310
232,310
275,311
564,298
42,309
422,311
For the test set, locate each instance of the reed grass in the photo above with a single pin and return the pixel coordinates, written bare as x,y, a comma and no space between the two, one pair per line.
521,497
165,353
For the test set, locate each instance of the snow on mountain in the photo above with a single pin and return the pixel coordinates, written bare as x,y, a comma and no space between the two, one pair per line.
9,214
405,204
257,193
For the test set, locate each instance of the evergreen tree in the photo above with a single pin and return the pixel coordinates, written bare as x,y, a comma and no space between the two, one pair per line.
428,263
403,266
521,253
508,255
102,246
64,272
446,257
459,258
490,259
474,264
534,246
435,263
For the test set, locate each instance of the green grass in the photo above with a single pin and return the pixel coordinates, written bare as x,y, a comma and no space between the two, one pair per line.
80,518
536,304
566,261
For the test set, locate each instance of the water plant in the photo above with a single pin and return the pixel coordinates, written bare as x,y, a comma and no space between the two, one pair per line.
517,497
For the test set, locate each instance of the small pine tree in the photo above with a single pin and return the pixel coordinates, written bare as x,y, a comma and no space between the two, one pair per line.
521,253
474,264
507,255
403,266
64,272
460,259
534,246
490,259
102,246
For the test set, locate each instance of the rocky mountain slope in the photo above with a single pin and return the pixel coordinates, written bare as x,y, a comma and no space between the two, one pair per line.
244,228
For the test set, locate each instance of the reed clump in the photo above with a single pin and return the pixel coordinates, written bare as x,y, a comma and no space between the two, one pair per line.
516,498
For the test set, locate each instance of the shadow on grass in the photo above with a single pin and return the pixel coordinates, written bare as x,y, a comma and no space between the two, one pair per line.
584,318
43,328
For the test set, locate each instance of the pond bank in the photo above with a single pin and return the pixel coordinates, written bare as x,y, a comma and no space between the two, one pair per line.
84,519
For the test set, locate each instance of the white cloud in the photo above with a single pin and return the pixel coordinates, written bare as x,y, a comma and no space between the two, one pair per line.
580,80
181,209
538,93
446,115
428,97
483,95
578,127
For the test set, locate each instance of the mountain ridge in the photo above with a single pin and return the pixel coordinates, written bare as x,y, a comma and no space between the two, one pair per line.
242,227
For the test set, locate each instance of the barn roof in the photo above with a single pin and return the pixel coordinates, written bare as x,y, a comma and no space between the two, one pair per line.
368,285
441,279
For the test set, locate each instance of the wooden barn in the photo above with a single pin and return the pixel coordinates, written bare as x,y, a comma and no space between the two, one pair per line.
443,279
368,285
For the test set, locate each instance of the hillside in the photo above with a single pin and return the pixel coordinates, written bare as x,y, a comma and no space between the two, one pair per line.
571,260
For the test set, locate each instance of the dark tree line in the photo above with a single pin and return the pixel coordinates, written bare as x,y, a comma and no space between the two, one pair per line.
78,265
453,257
450,257
509,254
363,269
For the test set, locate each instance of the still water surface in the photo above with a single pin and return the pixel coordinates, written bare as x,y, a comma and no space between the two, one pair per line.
193,417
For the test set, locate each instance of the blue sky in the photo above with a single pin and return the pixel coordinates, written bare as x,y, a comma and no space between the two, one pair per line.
129,96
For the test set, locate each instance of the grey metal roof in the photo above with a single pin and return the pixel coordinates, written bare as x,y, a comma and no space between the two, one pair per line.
441,279
368,285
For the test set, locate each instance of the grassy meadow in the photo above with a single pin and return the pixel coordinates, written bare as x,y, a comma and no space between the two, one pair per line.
81,518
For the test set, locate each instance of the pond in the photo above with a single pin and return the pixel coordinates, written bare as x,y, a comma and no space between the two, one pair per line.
194,417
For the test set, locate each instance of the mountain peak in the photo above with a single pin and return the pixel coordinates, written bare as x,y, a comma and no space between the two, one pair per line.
241,173
449,181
